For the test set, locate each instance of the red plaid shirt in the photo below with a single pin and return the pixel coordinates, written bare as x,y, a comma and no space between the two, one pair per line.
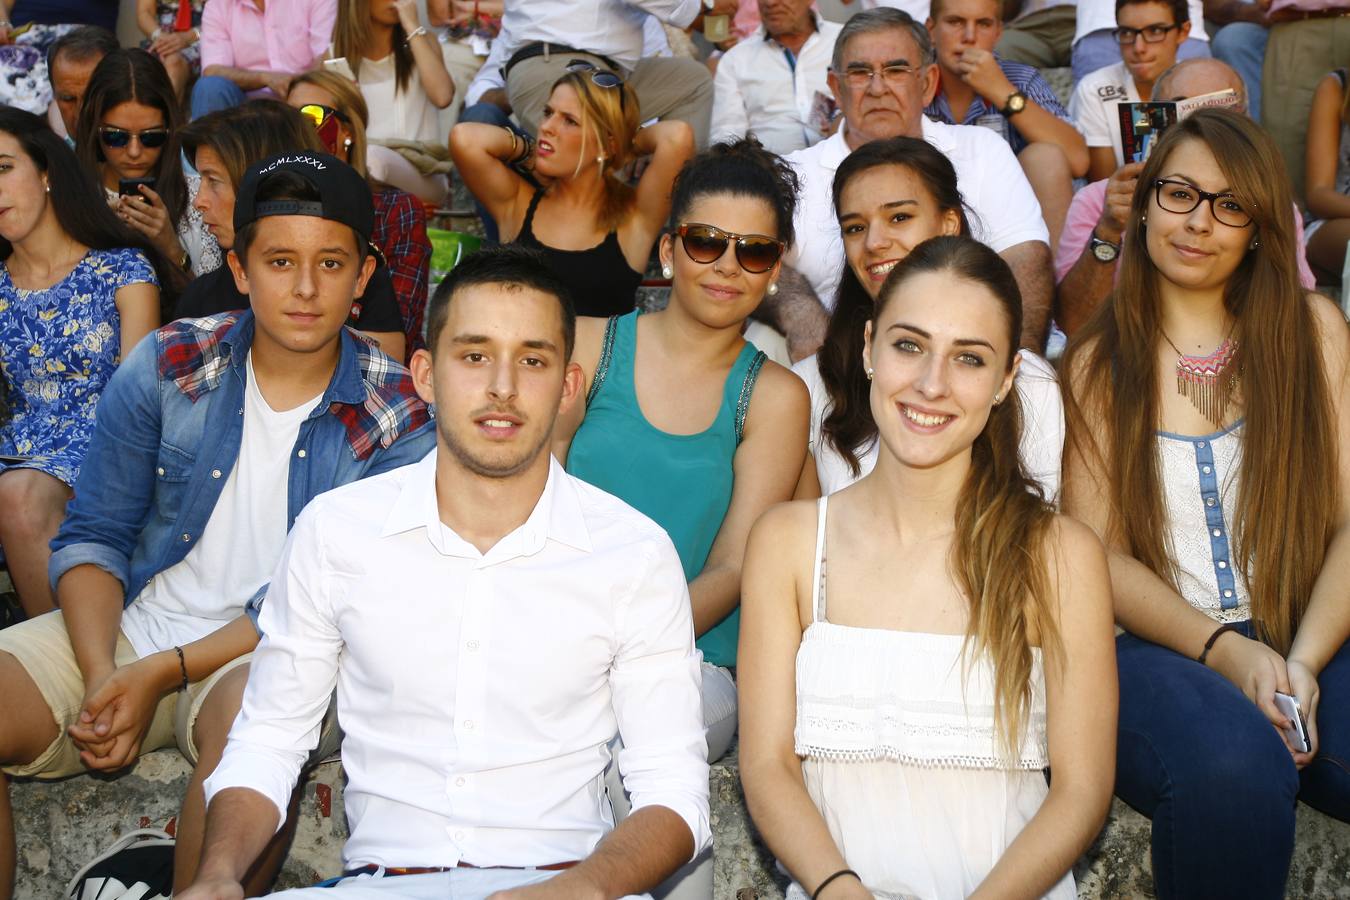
401,234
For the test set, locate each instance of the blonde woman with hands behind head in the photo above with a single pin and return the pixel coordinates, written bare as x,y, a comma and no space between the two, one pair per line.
917,647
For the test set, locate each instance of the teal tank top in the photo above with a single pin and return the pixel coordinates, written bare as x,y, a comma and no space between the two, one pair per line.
681,481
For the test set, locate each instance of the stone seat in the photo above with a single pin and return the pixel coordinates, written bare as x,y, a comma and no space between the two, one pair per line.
61,825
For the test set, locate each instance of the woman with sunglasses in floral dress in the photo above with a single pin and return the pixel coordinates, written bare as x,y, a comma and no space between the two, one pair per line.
596,231
684,419
1208,448
127,132
338,112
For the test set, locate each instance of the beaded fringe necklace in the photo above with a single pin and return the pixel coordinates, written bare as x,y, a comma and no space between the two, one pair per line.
1208,381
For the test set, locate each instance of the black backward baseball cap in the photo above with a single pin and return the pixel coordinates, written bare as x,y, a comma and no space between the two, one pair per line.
344,194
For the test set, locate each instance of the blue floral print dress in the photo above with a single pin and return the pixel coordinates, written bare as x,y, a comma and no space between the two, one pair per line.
58,348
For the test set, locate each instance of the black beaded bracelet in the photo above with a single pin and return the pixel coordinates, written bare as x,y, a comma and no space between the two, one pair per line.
1209,644
182,667
826,883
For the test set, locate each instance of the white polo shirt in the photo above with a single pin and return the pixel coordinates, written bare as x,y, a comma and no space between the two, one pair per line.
1094,103
1003,209
757,89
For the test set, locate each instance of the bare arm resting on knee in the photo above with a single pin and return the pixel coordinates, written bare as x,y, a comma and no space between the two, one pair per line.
1034,270
643,851
797,312
239,823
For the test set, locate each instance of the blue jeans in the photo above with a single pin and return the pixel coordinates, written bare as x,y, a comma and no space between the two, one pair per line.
212,93
1099,49
1243,46
488,114
1199,759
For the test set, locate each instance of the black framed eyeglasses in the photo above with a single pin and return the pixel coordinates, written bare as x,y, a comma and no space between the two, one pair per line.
317,114
599,77
705,244
117,138
1182,198
1152,34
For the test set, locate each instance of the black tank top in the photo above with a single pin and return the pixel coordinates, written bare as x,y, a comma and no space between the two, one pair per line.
601,280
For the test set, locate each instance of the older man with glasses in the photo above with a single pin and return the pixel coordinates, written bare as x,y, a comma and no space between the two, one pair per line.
883,74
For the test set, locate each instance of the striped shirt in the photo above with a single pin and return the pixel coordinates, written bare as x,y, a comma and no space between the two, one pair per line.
1024,78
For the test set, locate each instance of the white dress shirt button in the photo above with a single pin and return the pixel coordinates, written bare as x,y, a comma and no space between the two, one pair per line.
468,724
472,645
459,835
460,781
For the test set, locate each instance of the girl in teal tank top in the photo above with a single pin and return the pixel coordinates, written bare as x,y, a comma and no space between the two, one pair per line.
685,420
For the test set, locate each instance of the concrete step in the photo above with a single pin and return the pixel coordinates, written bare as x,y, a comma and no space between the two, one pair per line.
61,825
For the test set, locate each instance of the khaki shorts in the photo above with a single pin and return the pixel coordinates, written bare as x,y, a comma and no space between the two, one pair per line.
42,647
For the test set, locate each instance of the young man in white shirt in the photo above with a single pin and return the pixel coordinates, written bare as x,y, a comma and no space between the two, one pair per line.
1095,47
883,74
490,624
773,84
1149,33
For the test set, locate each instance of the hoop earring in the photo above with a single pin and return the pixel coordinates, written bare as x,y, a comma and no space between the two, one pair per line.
667,271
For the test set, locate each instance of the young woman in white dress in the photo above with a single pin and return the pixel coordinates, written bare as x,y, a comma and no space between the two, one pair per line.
917,648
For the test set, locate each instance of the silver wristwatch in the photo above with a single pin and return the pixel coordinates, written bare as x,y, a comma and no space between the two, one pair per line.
1103,251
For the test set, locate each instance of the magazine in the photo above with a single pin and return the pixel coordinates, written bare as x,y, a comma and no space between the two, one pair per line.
1143,122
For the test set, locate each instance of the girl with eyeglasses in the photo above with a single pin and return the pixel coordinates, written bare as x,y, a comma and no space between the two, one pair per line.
338,112
1209,434
78,290
917,648
684,419
400,66
890,196
595,229
127,133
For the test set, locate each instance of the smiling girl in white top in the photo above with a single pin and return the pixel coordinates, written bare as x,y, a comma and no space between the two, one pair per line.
916,648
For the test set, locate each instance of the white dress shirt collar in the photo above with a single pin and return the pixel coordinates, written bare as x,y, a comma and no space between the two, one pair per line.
556,516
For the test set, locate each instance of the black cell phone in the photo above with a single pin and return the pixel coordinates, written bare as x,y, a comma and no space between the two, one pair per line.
131,187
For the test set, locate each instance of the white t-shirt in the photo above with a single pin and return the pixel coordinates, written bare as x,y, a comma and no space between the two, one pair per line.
1093,106
240,545
406,115
1005,210
1042,444
1096,15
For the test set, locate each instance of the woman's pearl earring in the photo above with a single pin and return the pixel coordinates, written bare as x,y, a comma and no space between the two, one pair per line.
773,288
1254,244
347,144
870,373
667,271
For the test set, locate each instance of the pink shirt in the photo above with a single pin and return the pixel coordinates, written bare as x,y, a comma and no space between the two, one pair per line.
289,36
1086,209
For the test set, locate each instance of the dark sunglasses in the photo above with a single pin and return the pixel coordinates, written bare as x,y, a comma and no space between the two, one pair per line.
599,77
317,114
705,244
117,138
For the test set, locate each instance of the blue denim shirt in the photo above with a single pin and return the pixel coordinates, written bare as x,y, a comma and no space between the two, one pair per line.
169,427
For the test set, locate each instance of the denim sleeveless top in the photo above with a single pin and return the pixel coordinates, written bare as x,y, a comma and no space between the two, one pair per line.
681,481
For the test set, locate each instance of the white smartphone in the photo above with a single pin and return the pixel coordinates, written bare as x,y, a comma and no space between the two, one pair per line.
1297,733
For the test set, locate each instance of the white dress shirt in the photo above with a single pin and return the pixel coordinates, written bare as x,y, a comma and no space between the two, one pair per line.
478,691
612,28
1004,210
756,89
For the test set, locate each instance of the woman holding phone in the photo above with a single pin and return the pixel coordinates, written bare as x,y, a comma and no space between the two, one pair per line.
127,132
1210,449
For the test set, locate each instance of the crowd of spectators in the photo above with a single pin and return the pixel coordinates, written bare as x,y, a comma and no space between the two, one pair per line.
1009,310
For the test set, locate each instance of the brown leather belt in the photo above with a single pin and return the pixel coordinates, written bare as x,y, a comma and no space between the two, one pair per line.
373,869
1303,15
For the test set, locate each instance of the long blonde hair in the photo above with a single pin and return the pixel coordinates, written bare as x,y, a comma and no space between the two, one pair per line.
1288,439
348,100
609,116
351,32
999,553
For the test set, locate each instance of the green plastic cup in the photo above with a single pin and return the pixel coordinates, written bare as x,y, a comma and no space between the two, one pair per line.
447,249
